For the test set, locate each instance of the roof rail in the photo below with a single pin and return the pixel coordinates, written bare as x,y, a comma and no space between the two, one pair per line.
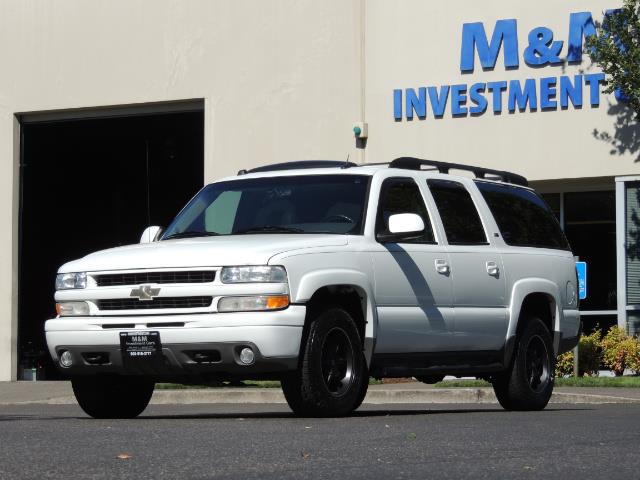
300,164
411,163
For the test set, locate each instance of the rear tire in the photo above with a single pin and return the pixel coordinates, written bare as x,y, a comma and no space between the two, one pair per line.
430,379
331,380
528,382
113,396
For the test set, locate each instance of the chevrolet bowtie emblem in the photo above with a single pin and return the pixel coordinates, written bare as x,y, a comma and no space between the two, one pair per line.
145,293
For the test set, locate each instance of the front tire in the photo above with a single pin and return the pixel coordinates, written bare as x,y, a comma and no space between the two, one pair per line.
528,383
112,396
331,380
363,389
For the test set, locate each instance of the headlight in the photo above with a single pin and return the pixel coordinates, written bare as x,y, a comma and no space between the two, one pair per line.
253,274
66,281
253,304
70,309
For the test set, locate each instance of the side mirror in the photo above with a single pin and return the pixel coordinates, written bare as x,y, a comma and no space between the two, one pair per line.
406,223
402,226
150,234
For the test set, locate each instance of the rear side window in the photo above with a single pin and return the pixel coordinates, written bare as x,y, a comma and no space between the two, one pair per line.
459,216
524,219
402,195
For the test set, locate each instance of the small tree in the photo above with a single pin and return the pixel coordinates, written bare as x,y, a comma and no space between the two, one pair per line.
616,49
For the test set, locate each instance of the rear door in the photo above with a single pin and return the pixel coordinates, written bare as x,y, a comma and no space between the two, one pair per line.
477,272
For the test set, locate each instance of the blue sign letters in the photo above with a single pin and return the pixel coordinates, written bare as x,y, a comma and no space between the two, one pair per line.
542,50
474,37
580,26
527,95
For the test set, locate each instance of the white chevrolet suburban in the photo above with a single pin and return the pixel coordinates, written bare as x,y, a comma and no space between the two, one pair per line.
321,274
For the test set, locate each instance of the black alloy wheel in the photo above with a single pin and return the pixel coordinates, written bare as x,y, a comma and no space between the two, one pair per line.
332,378
537,364
337,362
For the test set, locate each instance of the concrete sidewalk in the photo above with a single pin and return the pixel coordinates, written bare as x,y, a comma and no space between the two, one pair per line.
12,393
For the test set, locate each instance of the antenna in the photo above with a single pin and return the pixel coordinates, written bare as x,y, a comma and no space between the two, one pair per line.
347,164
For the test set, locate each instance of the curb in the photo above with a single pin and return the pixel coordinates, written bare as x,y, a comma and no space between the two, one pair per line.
563,397
231,395
374,397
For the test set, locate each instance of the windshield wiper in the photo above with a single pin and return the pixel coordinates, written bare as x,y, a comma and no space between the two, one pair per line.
190,233
269,229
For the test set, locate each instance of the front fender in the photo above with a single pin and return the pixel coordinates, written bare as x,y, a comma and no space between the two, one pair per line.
313,281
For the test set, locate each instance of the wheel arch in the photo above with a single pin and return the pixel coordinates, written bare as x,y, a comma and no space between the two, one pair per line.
539,297
348,289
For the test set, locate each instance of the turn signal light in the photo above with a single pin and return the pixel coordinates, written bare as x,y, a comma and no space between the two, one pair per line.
253,304
277,301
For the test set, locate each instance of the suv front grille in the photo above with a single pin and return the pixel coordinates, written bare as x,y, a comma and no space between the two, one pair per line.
117,279
158,302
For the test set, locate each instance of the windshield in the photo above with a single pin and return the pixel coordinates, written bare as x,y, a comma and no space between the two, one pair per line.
297,204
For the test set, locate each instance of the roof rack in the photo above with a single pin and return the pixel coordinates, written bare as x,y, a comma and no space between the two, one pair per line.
299,165
411,163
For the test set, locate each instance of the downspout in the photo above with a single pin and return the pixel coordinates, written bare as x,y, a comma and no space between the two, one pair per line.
362,143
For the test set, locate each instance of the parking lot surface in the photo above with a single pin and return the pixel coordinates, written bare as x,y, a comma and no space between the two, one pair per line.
267,441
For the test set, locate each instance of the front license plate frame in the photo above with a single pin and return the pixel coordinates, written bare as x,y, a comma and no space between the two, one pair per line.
139,346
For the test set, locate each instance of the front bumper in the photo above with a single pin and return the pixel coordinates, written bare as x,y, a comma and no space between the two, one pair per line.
191,344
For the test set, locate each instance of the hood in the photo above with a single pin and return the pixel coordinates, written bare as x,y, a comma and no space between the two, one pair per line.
200,252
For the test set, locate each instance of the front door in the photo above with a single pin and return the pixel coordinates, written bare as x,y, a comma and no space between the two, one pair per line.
412,283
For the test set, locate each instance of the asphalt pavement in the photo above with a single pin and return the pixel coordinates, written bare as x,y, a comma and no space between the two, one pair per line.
407,430
238,441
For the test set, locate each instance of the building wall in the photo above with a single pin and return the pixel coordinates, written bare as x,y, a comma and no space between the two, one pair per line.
414,44
285,80
280,80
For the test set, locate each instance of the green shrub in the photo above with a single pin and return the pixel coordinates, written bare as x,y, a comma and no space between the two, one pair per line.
634,362
589,357
564,364
589,354
620,351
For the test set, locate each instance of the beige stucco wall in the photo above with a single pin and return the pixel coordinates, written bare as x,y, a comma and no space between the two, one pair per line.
413,43
282,80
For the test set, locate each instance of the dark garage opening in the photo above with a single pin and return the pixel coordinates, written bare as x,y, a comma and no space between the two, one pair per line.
92,184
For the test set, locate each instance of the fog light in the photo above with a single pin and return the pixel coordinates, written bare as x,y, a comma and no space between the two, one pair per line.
66,360
247,356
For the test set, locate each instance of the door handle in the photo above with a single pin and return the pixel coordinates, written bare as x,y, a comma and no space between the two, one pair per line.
492,269
442,267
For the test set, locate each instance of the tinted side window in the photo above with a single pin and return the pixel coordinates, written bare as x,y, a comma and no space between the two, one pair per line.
458,213
402,195
524,219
